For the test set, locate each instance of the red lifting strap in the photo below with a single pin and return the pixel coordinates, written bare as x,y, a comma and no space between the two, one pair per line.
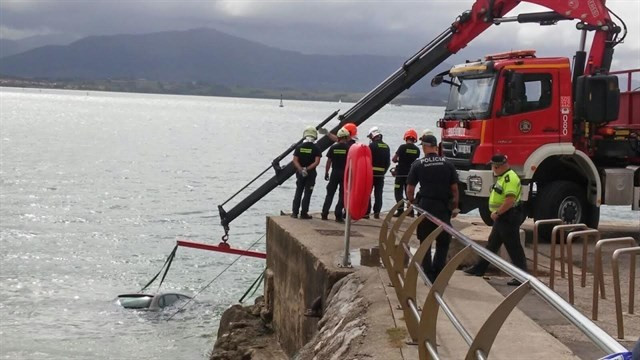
222,247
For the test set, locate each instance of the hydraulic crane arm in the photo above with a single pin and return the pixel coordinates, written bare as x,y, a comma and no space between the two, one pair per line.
484,13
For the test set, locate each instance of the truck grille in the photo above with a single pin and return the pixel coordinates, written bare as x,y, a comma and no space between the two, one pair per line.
459,152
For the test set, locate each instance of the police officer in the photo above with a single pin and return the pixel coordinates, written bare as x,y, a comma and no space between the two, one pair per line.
507,217
336,161
438,181
406,154
306,158
380,159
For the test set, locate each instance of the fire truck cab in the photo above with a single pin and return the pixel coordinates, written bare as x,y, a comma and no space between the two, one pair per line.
573,153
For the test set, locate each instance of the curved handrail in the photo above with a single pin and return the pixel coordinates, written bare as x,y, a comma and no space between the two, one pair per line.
598,336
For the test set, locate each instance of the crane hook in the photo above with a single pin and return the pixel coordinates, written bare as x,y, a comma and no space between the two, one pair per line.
224,239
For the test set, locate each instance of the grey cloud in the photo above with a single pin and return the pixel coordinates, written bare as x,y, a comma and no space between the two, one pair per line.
395,28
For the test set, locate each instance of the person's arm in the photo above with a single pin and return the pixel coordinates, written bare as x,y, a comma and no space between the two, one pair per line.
315,164
396,156
508,203
387,162
411,189
456,197
327,168
412,181
296,163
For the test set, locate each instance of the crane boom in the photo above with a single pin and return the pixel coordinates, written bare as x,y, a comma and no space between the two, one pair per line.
592,13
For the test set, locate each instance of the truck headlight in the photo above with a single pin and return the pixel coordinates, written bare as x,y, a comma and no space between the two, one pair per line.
475,183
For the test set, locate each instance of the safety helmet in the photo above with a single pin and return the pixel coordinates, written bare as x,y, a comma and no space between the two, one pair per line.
343,133
411,134
426,132
351,128
374,132
311,132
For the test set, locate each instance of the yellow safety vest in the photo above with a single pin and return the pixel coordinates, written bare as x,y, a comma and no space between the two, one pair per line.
507,184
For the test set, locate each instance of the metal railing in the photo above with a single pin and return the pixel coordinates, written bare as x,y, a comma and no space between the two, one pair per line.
633,252
422,323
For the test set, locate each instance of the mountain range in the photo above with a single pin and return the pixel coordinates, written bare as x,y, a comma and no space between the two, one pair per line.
201,55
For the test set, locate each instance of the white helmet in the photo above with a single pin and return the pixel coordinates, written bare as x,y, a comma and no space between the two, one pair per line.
343,133
373,132
311,132
426,132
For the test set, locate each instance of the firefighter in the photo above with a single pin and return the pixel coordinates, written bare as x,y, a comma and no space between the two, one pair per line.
507,216
336,161
350,127
306,158
438,181
380,158
406,154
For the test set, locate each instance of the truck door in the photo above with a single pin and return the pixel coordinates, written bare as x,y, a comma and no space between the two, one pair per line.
526,118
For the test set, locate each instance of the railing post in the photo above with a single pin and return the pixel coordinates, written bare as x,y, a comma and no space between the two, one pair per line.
411,281
584,234
598,274
554,233
429,317
536,234
384,234
633,251
487,334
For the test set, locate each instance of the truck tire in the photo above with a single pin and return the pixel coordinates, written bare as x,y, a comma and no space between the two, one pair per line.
485,214
561,199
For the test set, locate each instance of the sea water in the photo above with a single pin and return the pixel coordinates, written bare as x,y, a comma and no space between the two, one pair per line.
96,188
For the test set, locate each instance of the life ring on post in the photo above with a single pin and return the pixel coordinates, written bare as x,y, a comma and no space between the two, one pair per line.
358,192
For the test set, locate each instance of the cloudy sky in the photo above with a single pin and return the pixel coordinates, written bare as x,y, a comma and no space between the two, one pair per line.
382,27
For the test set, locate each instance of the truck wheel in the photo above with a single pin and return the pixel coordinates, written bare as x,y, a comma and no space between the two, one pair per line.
561,199
485,214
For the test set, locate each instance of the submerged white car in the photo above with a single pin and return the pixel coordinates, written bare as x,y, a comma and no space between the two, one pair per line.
149,301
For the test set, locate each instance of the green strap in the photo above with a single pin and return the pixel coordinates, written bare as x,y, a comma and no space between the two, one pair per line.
252,285
167,263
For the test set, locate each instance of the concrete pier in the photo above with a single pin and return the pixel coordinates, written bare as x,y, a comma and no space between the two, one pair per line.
322,310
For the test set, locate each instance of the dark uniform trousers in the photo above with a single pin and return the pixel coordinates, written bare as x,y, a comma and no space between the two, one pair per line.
399,189
335,181
439,209
378,184
506,230
303,184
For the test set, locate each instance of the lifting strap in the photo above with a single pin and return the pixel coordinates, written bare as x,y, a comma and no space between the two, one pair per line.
167,263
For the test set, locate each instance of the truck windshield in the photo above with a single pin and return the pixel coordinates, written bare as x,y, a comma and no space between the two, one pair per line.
470,98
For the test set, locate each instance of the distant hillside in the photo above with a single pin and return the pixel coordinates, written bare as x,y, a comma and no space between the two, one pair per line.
12,47
8,47
201,55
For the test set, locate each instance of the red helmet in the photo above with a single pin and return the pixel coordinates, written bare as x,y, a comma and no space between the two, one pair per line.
411,134
351,128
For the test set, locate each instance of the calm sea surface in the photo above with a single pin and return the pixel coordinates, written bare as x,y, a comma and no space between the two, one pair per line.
97,187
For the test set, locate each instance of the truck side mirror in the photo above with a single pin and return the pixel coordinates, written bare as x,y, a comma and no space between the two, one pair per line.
597,98
515,95
437,80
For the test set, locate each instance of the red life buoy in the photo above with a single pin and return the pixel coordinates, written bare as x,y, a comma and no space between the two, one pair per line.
357,193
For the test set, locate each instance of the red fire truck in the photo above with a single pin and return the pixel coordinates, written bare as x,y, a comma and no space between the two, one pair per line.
574,142
572,136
